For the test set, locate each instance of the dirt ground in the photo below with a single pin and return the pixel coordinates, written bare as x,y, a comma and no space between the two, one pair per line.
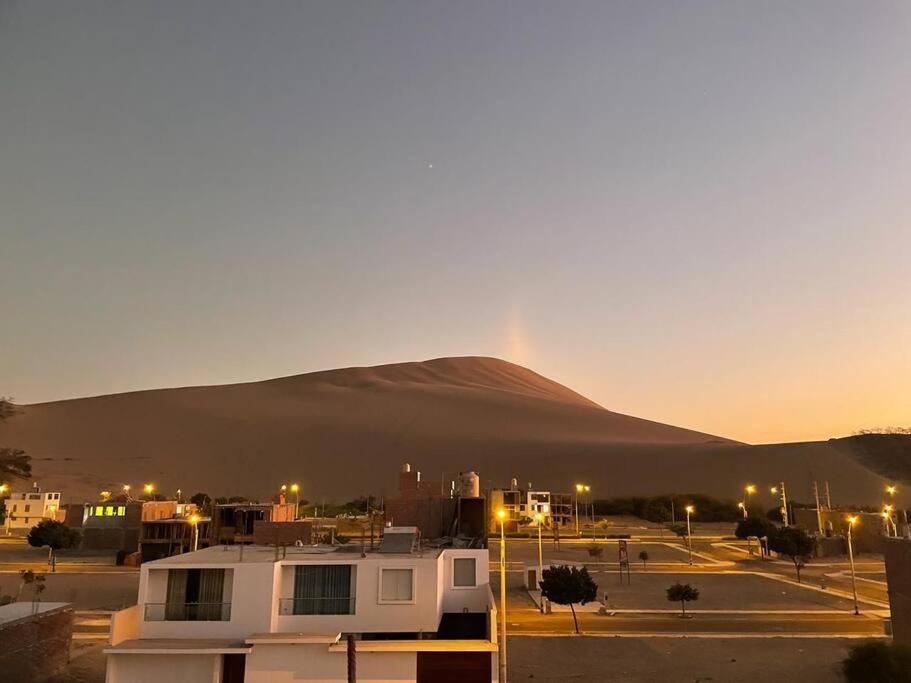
676,660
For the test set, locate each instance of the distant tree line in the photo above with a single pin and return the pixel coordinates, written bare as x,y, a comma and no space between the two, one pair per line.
658,508
883,430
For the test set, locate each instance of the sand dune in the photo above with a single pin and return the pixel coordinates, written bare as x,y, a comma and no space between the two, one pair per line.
346,432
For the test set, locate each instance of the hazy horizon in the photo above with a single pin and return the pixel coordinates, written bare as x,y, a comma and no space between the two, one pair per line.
695,213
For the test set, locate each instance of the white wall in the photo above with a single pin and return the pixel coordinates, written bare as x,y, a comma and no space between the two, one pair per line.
305,662
454,599
163,668
250,594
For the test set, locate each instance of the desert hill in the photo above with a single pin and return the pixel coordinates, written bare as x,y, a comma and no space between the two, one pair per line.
346,432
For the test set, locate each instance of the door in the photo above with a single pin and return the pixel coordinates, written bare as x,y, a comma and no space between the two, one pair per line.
453,667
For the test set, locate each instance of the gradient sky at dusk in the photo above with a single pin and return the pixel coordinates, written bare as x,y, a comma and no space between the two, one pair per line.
695,212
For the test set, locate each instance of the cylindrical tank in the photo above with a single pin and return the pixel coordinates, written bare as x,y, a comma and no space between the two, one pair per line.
406,467
469,485
513,484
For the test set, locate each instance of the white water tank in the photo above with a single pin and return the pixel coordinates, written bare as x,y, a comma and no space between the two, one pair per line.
469,485
513,484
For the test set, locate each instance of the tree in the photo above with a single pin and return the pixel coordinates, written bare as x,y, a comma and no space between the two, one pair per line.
14,463
878,663
566,585
56,535
643,555
795,543
682,593
678,529
30,578
755,526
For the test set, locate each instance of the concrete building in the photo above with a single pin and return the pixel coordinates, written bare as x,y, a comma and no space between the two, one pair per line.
109,524
25,509
258,614
234,522
521,506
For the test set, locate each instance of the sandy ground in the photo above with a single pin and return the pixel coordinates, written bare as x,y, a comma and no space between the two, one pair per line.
671,660
347,432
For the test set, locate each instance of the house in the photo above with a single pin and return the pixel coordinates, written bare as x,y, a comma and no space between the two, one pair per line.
109,524
169,527
256,614
522,506
24,510
234,522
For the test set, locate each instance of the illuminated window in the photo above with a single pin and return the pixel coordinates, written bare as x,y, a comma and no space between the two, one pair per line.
109,511
121,511
99,510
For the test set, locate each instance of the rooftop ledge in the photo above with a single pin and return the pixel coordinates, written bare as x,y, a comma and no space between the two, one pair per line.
293,638
418,646
178,646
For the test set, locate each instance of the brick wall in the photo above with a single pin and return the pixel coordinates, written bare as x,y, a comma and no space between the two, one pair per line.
37,646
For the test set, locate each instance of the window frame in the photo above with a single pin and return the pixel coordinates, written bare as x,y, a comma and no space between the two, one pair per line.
410,568
452,583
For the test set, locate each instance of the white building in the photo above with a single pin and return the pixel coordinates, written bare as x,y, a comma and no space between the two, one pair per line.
232,613
25,510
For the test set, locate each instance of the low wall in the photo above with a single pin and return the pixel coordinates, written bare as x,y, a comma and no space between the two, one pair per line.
34,646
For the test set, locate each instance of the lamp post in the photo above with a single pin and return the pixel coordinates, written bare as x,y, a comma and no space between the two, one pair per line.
501,515
851,522
784,502
579,489
295,489
748,490
539,518
591,505
148,488
891,489
126,491
194,520
743,509
689,543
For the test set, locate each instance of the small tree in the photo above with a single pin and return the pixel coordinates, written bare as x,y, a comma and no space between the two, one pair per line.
56,536
878,663
794,543
678,529
682,593
643,555
566,585
755,526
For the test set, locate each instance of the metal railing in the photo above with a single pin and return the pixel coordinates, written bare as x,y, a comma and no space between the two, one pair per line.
290,606
189,611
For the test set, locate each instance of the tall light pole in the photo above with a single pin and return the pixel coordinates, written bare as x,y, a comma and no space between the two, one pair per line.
194,520
579,489
591,506
501,515
851,522
539,518
748,490
743,509
891,489
689,543
295,489
783,497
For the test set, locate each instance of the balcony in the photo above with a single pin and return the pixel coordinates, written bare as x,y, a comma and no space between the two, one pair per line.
190,611
299,606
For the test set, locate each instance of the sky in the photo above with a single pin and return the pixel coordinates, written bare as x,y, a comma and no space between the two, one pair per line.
695,212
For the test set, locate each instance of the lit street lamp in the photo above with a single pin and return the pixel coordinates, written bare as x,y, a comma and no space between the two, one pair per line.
539,518
501,515
851,522
126,491
295,489
689,543
784,502
579,489
148,488
748,490
743,509
194,520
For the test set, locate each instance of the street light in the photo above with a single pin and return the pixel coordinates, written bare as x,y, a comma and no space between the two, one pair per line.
689,543
579,489
295,489
743,509
784,501
592,507
4,488
749,489
194,520
148,488
539,518
501,515
851,522
126,491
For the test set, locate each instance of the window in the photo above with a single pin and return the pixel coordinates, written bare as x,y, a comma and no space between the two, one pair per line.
321,589
109,511
396,585
463,572
99,510
194,595
28,508
121,511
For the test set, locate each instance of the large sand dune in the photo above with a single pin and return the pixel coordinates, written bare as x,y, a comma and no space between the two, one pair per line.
346,432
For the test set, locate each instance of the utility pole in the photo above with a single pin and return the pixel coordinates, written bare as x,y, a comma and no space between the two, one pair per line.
851,522
828,498
501,514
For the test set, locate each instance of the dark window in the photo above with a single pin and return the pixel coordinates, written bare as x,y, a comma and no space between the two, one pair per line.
323,589
196,595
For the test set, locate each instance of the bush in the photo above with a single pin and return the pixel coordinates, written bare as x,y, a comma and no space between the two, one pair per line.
658,508
878,663
755,526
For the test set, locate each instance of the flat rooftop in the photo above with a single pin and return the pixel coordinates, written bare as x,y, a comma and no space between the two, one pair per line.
237,554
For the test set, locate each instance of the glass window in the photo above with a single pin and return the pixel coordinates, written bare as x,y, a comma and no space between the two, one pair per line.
109,511
396,585
28,508
99,510
121,511
322,589
463,572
